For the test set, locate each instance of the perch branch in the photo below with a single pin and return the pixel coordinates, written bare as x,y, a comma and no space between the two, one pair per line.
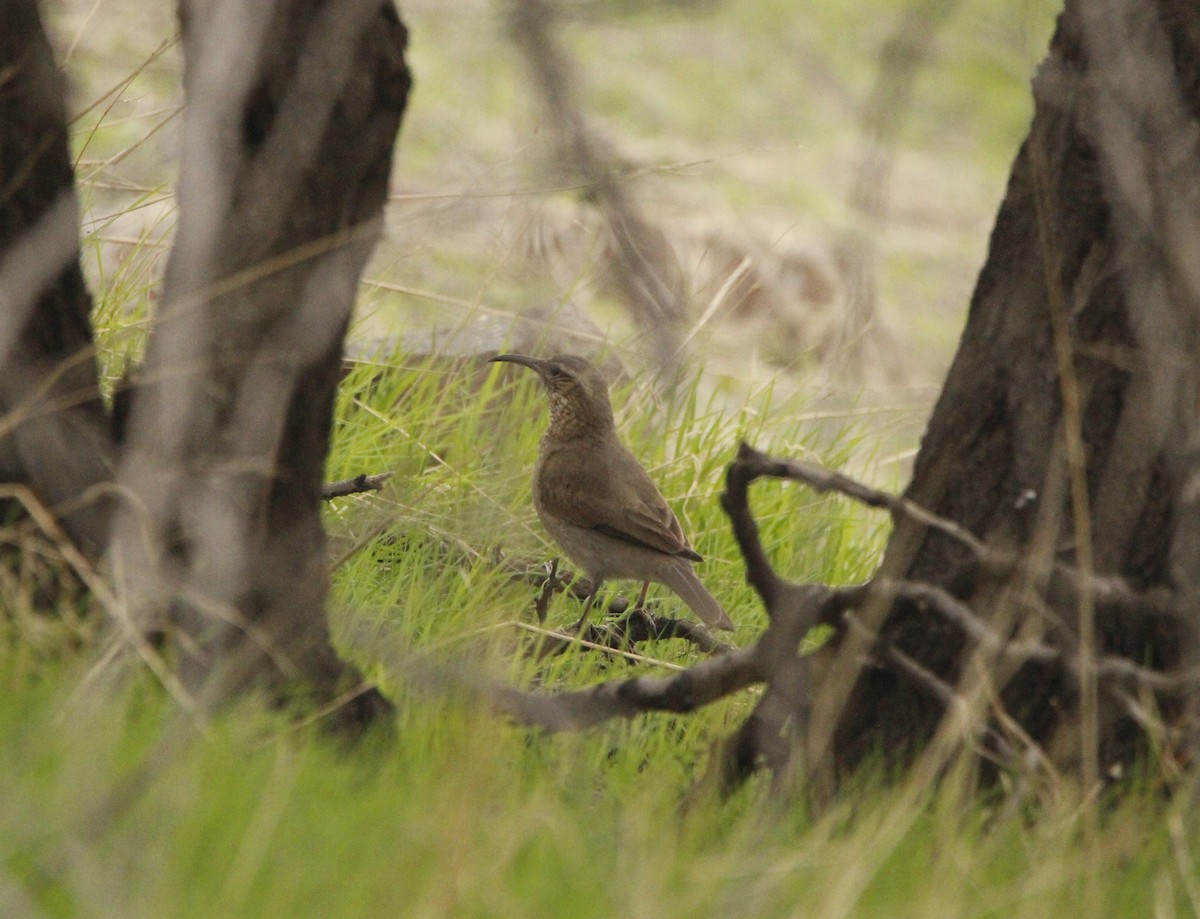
625,632
630,625
552,578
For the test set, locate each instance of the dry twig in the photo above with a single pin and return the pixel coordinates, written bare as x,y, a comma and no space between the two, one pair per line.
357,485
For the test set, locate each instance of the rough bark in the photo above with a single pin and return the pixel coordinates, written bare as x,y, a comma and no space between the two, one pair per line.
293,108
54,433
1067,426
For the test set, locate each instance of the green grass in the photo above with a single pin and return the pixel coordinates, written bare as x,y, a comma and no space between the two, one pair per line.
116,805
112,803
462,441
467,816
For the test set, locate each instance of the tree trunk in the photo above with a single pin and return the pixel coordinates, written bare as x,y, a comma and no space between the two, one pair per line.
54,437
293,108
1067,427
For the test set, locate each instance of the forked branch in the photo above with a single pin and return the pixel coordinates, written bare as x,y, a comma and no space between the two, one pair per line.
772,734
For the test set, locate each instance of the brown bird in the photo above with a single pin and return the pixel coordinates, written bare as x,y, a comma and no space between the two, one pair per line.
597,501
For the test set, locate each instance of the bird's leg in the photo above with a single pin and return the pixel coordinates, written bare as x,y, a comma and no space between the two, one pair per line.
582,622
641,603
542,603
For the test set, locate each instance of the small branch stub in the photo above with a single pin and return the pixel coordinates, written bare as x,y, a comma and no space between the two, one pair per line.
357,485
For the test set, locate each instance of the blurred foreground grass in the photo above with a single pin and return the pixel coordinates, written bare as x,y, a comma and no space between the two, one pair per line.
115,804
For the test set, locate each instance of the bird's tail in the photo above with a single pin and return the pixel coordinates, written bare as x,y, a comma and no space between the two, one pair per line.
682,579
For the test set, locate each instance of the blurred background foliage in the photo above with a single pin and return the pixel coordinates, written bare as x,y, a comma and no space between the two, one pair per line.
743,130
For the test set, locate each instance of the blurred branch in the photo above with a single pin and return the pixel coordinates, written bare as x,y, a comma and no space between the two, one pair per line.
708,681
643,264
900,60
883,116
607,10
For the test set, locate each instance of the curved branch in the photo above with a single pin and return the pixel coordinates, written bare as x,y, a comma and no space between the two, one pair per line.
706,682
1111,594
736,503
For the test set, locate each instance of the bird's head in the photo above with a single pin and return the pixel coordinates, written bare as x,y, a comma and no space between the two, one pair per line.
578,394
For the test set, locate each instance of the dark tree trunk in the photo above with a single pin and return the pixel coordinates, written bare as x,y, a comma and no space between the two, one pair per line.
1067,427
54,433
293,108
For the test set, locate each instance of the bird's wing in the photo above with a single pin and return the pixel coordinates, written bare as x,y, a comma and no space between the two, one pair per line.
621,501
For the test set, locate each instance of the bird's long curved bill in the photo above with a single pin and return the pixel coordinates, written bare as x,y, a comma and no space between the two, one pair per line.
525,361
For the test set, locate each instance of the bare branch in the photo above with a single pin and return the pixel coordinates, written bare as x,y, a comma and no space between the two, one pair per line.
772,736
758,465
1107,667
644,265
736,502
1112,594
708,681
625,632
1001,751
354,486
